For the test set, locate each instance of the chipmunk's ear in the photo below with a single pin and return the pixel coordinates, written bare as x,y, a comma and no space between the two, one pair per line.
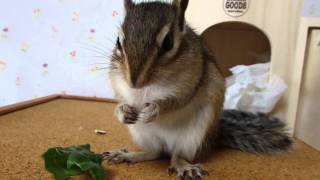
181,6
128,4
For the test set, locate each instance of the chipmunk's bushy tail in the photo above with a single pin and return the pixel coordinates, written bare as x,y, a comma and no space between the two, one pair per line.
257,133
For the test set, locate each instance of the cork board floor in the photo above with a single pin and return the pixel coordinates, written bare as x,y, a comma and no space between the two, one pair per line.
26,134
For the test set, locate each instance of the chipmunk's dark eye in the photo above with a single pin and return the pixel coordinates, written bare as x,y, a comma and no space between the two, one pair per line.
119,44
167,44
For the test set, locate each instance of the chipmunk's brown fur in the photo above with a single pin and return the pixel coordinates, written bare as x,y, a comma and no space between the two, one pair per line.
170,89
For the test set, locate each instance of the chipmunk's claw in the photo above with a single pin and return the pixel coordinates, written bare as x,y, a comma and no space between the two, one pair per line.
126,114
117,157
188,172
149,112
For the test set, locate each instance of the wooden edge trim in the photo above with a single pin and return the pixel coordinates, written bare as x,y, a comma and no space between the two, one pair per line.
84,98
37,101
26,104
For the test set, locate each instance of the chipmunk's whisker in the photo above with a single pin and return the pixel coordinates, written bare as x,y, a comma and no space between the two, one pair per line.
99,63
94,45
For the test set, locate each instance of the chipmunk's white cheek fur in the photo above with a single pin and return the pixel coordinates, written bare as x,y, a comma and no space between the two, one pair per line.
147,94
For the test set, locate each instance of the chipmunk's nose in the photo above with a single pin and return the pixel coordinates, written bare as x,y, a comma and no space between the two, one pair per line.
136,80
133,82
138,73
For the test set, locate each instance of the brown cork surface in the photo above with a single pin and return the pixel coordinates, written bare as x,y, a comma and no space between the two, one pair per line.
26,134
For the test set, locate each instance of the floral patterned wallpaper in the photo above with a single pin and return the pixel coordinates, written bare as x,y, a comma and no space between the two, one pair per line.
62,46
56,46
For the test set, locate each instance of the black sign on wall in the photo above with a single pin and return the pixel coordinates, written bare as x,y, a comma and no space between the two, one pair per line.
235,8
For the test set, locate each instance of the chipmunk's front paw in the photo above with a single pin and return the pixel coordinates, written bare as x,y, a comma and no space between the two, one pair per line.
126,114
149,112
117,157
188,171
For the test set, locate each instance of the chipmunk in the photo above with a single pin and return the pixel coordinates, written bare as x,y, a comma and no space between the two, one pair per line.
171,93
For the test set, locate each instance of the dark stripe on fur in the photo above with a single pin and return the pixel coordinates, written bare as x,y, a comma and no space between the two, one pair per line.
256,133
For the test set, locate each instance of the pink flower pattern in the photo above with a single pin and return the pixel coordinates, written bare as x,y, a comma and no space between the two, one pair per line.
49,48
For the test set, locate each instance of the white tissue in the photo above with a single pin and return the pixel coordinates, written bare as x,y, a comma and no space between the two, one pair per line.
250,89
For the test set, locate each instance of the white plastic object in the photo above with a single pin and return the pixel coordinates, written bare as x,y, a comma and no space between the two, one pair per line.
251,89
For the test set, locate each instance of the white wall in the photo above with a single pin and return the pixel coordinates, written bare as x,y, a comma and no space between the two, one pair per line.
44,47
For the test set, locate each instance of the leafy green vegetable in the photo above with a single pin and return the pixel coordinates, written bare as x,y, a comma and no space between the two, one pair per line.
72,161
